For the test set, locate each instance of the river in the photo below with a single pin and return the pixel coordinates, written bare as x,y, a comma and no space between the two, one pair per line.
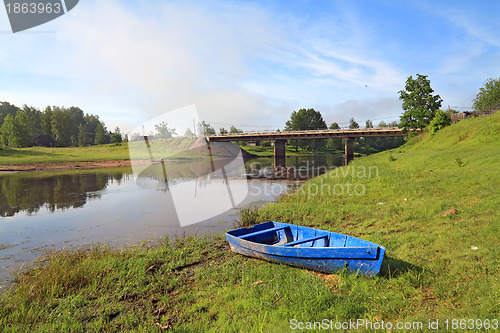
43,211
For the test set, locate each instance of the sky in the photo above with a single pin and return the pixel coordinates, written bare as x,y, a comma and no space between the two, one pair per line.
250,63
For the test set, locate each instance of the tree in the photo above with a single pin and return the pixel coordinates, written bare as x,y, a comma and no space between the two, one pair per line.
382,124
83,139
234,130
302,120
91,123
369,124
222,131
62,126
163,131
34,120
488,96
6,130
334,143
189,133
101,135
440,120
5,109
419,104
204,129
46,119
76,116
14,131
353,124
334,126
116,136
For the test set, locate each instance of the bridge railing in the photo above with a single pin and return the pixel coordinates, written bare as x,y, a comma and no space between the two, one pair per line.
310,131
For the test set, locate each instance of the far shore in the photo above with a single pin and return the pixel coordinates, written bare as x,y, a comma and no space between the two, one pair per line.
50,166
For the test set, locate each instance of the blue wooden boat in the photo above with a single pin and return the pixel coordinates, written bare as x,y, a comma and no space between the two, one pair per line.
310,248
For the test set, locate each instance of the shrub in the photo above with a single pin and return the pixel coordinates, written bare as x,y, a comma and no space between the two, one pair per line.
440,120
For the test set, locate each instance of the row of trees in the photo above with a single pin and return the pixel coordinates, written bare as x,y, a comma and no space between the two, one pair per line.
54,126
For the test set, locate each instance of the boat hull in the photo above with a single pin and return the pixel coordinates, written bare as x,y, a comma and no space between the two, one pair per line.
309,248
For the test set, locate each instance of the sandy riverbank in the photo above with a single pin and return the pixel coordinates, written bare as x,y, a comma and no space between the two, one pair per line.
64,166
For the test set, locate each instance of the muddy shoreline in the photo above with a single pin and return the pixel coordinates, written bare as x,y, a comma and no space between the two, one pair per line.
63,166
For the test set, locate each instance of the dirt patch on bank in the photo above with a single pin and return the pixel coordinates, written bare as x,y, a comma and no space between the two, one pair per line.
64,166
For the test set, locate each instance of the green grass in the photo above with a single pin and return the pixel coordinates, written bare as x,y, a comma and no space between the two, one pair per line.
32,155
198,285
175,148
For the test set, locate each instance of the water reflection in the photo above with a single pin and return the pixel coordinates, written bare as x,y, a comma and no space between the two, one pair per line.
296,167
43,211
31,192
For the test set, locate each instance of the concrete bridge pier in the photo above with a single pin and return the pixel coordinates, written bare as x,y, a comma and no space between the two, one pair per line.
349,149
279,153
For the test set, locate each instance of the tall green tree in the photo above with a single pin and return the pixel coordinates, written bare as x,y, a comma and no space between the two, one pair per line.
101,134
6,130
23,138
5,109
34,120
83,138
116,136
14,131
488,96
62,127
76,115
306,119
419,103
91,123
45,121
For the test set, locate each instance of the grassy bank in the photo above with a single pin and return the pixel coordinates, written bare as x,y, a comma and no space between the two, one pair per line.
176,148
437,267
33,155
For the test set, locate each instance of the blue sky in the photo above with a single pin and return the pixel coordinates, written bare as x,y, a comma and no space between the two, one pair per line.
250,63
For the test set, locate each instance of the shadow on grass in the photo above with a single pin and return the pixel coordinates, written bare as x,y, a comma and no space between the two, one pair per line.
394,267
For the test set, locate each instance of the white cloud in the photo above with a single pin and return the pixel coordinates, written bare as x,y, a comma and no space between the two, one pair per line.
239,63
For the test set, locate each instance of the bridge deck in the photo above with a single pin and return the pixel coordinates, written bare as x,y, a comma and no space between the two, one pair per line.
316,134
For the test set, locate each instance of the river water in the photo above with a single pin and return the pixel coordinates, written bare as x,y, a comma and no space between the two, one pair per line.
43,211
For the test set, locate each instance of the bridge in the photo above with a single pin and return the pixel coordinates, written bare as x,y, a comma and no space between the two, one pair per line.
280,138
